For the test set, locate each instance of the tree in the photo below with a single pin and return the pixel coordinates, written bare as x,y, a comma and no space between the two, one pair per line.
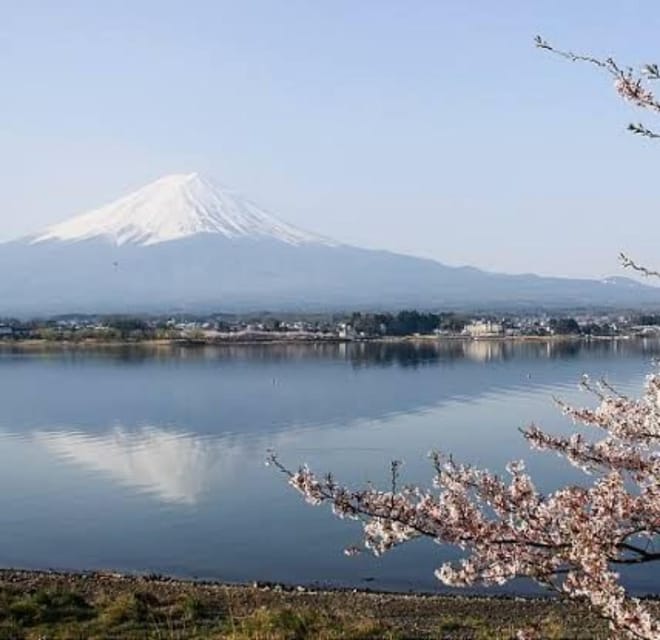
564,326
572,539
128,327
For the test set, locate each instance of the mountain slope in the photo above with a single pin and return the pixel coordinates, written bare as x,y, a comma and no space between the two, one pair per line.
183,244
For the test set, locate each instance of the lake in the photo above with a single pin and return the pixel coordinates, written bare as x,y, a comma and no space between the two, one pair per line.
152,459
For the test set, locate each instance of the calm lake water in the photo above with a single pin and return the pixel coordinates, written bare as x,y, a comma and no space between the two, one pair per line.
152,460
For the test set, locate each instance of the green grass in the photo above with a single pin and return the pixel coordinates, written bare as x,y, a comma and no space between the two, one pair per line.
44,606
302,623
68,615
98,606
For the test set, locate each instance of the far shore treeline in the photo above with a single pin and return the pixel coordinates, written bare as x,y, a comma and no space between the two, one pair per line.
344,326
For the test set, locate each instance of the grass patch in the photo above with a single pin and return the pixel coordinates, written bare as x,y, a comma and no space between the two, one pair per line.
11,631
44,606
303,624
133,608
470,628
193,609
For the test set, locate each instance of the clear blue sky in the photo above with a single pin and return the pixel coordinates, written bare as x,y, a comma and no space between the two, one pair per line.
427,127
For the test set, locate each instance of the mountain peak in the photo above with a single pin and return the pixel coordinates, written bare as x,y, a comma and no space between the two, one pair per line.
174,207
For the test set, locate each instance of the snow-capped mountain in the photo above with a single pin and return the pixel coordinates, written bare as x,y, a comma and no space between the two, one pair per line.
182,243
175,207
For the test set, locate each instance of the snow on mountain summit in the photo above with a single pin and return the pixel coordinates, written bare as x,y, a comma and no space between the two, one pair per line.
175,207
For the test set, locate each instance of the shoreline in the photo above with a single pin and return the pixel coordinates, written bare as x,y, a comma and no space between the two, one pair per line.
188,343
130,605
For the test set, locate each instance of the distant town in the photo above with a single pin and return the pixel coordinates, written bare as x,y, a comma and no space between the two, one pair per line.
219,328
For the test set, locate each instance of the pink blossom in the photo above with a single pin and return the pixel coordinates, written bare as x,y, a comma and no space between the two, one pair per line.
570,540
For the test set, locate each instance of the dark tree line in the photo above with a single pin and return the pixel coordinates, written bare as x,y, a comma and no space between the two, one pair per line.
406,323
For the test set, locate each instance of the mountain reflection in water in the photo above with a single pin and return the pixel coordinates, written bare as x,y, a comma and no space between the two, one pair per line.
176,467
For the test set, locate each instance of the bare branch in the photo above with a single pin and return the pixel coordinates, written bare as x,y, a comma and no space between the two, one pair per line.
629,263
608,64
641,130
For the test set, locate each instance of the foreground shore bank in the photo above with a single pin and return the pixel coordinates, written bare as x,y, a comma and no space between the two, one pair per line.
103,605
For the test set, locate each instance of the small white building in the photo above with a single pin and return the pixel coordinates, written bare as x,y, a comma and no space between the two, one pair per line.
484,328
346,331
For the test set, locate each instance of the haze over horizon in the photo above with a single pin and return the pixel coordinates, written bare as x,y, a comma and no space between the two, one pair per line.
433,130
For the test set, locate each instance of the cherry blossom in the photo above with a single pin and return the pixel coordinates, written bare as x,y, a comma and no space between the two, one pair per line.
570,540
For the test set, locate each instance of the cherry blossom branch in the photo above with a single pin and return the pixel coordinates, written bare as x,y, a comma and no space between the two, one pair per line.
628,85
568,540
